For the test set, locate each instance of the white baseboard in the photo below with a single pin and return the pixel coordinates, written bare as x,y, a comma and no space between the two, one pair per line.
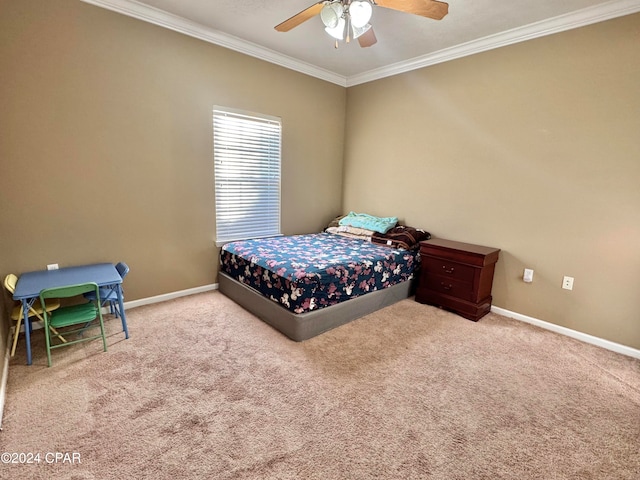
600,342
170,296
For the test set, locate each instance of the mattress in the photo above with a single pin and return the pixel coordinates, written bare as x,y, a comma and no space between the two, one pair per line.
303,273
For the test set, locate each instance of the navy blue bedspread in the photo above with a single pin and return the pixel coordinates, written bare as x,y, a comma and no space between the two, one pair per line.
308,272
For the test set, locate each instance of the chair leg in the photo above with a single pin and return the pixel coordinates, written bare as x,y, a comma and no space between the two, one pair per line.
104,338
55,332
47,340
16,335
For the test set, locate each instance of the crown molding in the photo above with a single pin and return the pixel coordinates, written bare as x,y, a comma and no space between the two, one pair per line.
580,18
178,24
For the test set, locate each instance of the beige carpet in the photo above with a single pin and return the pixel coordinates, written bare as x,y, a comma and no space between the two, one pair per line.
204,390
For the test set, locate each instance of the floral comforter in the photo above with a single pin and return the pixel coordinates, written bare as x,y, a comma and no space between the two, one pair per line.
308,272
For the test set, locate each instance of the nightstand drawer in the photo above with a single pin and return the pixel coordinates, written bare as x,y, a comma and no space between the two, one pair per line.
450,286
445,268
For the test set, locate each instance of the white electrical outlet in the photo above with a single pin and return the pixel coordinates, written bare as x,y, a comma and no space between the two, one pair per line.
528,275
567,283
52,266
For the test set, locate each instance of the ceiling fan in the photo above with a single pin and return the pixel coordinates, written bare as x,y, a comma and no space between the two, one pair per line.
346,19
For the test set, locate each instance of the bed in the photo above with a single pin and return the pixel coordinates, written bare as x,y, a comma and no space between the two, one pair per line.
304,285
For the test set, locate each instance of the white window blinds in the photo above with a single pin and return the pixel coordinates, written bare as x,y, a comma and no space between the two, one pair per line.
246,151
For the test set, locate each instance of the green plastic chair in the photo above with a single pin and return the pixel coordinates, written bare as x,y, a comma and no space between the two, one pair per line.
72,315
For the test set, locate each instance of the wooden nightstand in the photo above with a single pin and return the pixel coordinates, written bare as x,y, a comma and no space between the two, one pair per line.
457,276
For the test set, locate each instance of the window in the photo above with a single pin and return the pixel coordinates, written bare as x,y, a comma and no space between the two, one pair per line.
246,152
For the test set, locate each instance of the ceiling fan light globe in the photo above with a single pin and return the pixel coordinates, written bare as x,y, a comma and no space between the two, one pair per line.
329,16
338,8
360,12
360,31
337,32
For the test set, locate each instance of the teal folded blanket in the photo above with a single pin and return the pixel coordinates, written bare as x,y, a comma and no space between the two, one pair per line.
370,222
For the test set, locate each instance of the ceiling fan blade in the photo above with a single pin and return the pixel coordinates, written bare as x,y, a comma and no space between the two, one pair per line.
367,39
300,17
425,8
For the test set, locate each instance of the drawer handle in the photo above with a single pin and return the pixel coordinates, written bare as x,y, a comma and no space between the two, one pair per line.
445,286
447,271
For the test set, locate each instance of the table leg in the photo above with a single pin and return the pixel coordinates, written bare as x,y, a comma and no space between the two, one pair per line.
122,315
27,326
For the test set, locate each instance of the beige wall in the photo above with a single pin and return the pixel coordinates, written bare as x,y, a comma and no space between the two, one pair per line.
533,148
106,143
106,154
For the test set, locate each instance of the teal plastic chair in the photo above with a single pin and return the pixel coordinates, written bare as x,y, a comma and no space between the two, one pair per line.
72,315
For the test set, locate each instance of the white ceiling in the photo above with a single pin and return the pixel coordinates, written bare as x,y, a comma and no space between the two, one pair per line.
405,41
